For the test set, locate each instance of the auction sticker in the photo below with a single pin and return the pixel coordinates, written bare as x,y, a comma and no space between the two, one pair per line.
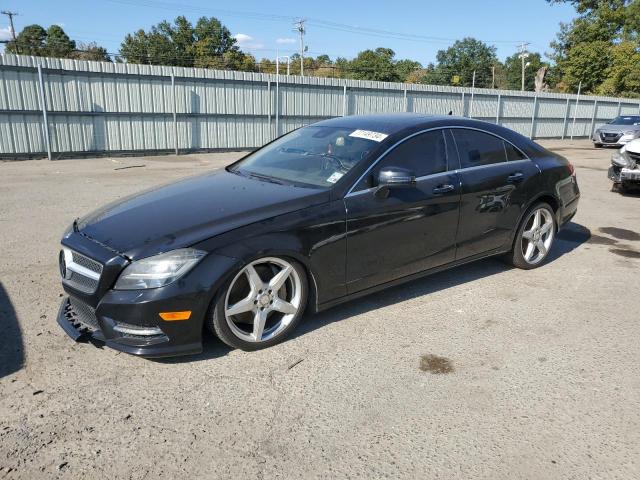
335,177
369,135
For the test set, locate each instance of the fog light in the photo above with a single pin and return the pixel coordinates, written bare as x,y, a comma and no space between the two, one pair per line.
175,316
141,331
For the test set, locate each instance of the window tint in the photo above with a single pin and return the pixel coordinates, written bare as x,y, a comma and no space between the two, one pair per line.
424,154
478,148
513,153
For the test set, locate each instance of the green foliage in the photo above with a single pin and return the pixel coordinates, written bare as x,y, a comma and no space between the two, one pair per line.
30,41
461,60
375,64
599,48
513,71
208,44
54,42
57,43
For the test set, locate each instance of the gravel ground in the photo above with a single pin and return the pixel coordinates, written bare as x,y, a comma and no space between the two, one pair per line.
480,372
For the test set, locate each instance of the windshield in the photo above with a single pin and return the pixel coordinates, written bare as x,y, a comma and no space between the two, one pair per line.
630,120
313,156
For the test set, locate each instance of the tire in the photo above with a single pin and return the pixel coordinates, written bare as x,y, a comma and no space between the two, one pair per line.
519,256
597,145
275,299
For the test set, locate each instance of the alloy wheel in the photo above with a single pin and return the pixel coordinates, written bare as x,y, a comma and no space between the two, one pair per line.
537,236
263,299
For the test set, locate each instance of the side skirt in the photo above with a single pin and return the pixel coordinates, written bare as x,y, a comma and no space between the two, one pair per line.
408,278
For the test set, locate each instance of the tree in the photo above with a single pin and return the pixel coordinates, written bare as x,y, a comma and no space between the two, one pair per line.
407,68
207,45
599,47
57,43
91,51
54,42
30,41
461,60
513,71
375,64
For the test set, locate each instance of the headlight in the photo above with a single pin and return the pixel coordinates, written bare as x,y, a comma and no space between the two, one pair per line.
632,133
622,159
158,270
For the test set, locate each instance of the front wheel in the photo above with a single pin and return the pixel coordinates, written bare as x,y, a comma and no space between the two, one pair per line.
597,145
261,305
534,237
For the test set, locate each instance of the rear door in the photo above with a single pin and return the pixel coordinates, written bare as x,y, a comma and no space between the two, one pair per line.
496,178
412,229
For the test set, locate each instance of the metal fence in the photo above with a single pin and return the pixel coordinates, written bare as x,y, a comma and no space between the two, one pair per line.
66,107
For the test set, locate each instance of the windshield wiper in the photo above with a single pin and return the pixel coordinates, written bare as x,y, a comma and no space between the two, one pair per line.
266,178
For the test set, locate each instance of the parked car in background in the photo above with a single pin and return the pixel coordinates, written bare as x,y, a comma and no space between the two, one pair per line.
327,213
619,131
625,166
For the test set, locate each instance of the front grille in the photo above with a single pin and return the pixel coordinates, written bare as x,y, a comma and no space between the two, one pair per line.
86,262
610,137
79,271
82,283
81,315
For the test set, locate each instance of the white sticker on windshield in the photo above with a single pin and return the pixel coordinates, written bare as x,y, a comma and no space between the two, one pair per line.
335,176
369,135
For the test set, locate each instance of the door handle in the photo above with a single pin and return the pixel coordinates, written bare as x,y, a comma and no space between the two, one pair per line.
443,189
515,177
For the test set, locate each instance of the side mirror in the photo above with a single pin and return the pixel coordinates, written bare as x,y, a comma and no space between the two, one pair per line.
392,178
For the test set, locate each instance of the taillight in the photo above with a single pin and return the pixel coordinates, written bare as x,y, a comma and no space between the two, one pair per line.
572,170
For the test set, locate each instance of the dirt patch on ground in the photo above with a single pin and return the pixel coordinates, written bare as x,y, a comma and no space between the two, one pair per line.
435,364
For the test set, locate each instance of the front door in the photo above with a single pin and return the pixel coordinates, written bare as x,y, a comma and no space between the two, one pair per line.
412,229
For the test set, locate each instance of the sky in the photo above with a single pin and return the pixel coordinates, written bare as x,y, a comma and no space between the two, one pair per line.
336,28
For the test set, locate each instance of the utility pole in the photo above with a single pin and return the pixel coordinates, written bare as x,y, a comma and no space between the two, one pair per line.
299,27
523,55
11,15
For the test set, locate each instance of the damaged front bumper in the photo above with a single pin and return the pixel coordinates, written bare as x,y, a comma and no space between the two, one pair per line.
623,174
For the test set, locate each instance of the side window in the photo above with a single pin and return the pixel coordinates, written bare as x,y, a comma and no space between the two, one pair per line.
513,153
424,154
478,148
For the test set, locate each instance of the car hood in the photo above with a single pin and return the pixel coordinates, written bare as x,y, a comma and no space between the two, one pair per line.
618,128
633,146
189,211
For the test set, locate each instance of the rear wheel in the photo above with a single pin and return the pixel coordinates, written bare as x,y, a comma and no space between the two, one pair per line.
261,305
534,237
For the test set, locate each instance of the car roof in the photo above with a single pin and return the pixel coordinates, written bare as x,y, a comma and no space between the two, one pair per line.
388,123
398,125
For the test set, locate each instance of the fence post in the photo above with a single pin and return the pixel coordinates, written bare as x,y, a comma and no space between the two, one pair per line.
406,103
43,106
575,113
619,108
175,113
593,116
277,105
533,116
463,109
566,119
344,100
498,109
269,104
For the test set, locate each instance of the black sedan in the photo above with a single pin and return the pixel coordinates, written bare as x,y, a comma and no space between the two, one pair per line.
327,213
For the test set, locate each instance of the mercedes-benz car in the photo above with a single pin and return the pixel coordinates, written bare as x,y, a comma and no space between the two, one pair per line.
619,131
322,215
625,167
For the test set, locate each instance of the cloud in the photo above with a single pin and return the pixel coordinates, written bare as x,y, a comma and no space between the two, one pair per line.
285,41
5,33
246,41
